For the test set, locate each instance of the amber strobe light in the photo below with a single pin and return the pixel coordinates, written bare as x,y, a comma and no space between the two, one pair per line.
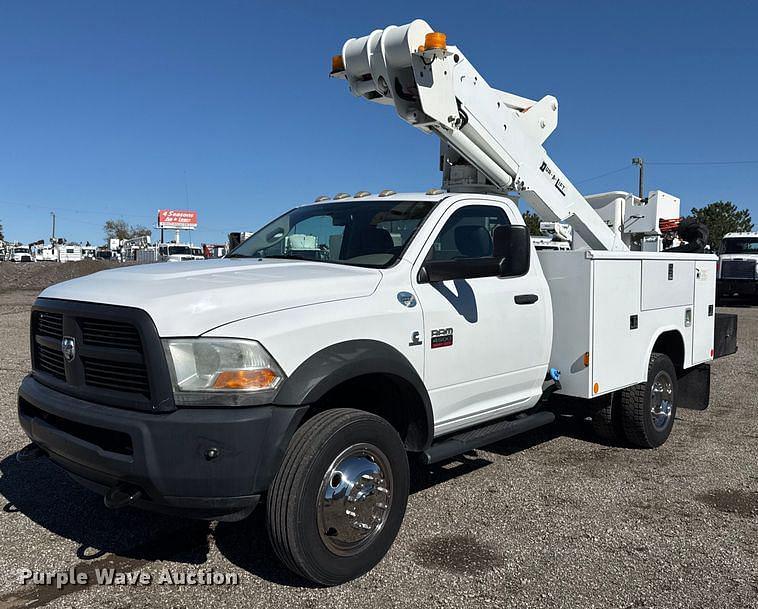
435,40
338,64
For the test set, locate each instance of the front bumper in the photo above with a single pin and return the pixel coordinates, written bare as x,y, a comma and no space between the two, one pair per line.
743,287
168,456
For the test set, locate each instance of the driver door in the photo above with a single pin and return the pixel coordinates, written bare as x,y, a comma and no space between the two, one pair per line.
486,338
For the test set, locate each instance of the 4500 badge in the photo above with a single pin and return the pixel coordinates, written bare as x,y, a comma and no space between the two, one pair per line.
442,338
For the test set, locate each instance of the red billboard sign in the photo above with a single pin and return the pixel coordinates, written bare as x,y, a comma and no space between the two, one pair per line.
177,218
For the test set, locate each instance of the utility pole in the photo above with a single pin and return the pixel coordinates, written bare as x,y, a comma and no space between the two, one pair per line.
52,239
641,163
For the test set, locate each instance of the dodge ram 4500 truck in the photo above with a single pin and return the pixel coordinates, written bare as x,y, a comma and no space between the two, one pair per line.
345,336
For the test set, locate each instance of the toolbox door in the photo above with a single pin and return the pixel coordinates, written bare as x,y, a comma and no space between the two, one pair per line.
704,313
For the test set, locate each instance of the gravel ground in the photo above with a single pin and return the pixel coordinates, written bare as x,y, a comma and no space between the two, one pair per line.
552,519
39,275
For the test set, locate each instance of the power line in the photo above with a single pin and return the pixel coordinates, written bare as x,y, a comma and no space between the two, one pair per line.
701,162
602,175
104,214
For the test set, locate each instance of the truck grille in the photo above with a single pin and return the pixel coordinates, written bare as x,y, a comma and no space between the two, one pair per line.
738,269
49,324
113,334
117,376
50,361
118,359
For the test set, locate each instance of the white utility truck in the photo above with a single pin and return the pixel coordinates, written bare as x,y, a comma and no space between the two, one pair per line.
20,253
738,265
348,335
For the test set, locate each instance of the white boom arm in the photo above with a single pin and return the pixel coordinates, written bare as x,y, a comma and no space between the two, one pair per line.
435,89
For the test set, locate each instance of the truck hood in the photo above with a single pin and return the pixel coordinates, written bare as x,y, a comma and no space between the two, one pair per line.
190,298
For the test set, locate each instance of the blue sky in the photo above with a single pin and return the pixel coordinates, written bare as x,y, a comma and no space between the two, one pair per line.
116,109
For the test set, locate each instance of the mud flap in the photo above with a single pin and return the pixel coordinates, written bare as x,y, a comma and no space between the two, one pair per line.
695,388
724,335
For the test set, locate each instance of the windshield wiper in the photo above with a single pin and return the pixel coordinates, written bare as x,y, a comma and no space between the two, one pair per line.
290,257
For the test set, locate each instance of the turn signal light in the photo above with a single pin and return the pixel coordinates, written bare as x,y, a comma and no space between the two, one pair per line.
338,64
586,359
595,388
245,379
435,40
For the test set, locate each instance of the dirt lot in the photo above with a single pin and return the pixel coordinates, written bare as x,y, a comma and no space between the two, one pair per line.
552,519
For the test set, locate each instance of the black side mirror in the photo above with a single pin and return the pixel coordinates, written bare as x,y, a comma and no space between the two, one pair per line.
446,270
512,246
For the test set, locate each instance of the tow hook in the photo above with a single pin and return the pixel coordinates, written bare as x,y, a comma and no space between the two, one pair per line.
121,495
30,452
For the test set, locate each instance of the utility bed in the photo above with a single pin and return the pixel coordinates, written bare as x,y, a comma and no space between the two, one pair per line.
614,306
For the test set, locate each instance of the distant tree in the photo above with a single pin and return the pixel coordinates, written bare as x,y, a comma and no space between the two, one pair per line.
2,236
722,217
141,231
532,222
120,229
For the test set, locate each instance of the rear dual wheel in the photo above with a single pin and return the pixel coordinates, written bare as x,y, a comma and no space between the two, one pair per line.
339,497
642,415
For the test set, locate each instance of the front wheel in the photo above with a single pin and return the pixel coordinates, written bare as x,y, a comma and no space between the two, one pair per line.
648,409
339,497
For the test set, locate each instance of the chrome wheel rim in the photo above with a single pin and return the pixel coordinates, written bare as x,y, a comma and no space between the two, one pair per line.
661,400
354,499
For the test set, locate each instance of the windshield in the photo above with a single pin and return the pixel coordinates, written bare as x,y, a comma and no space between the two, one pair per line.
740,245
196,251
179,249
21,250
361,233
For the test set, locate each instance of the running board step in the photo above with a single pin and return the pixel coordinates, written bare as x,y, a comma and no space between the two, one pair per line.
481,436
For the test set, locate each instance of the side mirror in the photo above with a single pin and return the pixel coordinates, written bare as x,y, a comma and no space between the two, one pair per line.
446,270
512,246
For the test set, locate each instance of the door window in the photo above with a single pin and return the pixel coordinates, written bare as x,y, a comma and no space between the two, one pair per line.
468,233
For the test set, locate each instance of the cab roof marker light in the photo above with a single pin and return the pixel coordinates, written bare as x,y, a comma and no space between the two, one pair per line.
387,193
435,191
341,195
361,193
321,199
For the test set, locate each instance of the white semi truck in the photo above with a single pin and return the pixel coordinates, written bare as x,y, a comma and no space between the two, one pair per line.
738,265
351,335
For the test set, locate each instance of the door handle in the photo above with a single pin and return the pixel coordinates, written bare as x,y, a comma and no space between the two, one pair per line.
526,298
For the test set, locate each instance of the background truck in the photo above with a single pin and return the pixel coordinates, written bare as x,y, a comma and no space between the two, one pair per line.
346,337
20,253
738,265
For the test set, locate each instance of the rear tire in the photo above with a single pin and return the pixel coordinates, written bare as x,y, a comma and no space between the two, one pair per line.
648,409
338,500
607,423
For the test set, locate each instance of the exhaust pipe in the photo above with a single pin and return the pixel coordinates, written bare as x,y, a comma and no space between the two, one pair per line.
121,495
30,452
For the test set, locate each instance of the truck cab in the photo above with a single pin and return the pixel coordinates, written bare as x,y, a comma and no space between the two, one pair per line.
178,252
738,265
20,253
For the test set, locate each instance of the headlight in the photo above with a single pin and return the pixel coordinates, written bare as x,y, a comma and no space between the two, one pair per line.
204,369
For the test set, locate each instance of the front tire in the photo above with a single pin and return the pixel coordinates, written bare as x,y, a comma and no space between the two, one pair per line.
648,409
339,497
